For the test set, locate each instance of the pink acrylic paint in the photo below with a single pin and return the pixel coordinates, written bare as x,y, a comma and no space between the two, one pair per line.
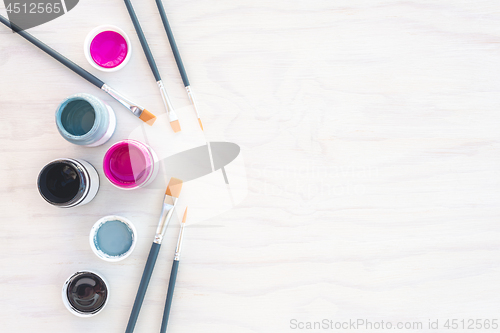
108,49
130,164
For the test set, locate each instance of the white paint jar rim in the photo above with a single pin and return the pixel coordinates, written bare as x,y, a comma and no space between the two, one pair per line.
90,37
93,234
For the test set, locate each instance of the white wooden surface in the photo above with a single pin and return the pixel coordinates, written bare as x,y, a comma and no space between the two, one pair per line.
371,143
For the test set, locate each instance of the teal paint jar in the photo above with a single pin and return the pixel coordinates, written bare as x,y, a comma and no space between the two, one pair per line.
85,120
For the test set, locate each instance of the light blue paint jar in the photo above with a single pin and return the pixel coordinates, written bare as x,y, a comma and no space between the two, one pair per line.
113,238
85,120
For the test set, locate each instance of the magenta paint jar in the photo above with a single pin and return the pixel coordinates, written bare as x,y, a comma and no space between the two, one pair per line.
130,164
107,48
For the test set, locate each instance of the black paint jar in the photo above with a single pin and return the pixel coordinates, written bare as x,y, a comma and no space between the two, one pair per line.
68,182
85,293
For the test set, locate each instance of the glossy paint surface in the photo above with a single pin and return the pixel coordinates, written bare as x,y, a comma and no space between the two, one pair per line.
87,292
108,49
78,117
59,182
127,164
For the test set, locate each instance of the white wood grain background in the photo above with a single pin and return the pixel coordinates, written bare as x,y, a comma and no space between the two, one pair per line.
370,137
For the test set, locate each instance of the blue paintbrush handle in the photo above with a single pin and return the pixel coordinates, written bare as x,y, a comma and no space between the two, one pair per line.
146,276
142,39
173,45
54,54
170,295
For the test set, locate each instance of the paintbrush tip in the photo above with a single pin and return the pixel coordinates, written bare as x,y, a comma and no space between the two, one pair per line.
185,214
201,125
175,126
174,187
147,117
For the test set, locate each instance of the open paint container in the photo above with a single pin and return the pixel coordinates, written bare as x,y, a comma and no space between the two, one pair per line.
85,293
68,182
130,164
113,238
85,120
107,48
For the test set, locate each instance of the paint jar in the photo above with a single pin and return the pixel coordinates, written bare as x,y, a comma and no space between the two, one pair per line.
113,238
68,182
85,120
85,293
130,164
107,48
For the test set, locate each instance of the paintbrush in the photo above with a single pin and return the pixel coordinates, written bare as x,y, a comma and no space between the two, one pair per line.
171,196
174,122
173,277
177,57
137,110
